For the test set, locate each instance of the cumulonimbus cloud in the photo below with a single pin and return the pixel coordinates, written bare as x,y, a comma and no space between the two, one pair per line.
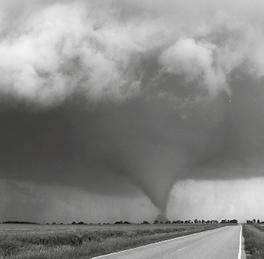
192,71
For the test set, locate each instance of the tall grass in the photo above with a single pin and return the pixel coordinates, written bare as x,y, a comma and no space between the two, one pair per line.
85,243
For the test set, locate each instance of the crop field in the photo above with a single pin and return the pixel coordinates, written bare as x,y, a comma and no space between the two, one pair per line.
254,240
84,241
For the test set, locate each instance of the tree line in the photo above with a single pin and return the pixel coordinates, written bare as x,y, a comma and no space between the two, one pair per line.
121,222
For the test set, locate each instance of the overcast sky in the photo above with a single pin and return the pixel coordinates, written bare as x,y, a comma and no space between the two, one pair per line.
108,106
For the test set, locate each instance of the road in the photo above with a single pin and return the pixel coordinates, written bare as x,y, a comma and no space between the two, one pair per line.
221,243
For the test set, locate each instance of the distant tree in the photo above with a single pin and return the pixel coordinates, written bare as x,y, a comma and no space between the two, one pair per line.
258,221
73,223
156,222
145,222
20,222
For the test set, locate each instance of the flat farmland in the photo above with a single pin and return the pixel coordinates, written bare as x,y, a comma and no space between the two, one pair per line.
84,241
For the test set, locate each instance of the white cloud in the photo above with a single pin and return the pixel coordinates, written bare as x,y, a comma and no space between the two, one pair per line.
195,61
217,199
59,50
55,49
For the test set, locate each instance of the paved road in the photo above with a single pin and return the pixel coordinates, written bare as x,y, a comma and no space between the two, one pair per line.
221,243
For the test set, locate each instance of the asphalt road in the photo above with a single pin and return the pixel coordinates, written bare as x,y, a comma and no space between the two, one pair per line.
221,243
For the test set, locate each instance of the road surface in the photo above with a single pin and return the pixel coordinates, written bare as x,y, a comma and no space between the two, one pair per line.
221,243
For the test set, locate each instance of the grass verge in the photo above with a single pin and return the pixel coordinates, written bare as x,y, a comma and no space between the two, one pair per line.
254,241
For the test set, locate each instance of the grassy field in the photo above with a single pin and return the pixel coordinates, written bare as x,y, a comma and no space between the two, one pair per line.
254,240
84,241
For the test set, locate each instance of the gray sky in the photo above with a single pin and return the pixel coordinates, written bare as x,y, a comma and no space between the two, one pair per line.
121,100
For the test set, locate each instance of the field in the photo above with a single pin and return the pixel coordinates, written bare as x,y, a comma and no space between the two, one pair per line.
84,241
254,240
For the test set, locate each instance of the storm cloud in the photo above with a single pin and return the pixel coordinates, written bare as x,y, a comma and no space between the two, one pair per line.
113,96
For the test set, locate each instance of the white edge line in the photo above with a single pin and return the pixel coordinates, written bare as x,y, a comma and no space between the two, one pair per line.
240,244
155,243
